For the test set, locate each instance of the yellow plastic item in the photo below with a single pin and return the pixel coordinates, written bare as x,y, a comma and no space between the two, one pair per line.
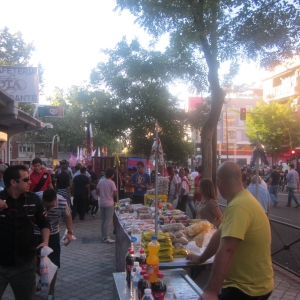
153,260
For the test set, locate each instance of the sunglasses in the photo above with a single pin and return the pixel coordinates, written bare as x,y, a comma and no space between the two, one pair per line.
23,179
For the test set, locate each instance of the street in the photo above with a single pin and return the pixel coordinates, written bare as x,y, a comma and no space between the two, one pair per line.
282,213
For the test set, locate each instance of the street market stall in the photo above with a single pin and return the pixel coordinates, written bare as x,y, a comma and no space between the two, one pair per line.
184,286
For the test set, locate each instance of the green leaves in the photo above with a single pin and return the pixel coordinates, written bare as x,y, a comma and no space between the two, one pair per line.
276,125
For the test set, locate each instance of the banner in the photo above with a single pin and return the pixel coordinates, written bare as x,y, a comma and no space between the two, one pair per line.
20,83
51,111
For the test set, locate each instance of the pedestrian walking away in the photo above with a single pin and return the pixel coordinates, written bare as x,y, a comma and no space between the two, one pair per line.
81,192
292,179
19,210
274,185
107,190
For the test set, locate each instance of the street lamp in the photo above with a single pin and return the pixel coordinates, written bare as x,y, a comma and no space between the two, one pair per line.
54,148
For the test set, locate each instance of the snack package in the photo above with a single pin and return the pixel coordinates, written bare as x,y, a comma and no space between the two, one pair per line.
195,229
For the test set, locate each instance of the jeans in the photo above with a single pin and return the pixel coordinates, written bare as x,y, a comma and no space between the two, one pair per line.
192,207
273,190
107,214
292,196
95,207
232,293
21,280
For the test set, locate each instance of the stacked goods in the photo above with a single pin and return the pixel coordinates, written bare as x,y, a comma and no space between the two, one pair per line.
163,185
198,231
165,251
178,238
144,212
149,199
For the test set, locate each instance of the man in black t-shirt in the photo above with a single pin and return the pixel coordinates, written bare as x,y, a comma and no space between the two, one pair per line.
93,178
63,183
81,191
274,181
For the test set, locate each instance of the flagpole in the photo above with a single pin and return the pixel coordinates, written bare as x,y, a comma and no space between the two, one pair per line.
156,180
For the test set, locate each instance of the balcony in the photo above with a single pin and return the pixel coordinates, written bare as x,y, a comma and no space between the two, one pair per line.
281,92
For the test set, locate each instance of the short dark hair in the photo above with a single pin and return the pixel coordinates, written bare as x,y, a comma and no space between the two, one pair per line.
274,167
134,169
77,167
83,169
187,170
64,167
12,172
109,173
292,166
89,167
140,163
49,195
37,160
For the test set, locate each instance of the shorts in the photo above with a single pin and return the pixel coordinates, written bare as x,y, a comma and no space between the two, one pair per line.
54,244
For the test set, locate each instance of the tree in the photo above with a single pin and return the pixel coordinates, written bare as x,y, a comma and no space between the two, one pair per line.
217,31
137,80
14,51
276,125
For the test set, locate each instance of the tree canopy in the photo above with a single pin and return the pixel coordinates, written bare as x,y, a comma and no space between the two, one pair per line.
276,125
137,80
265,31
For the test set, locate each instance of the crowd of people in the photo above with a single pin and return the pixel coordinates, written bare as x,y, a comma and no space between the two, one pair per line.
243,229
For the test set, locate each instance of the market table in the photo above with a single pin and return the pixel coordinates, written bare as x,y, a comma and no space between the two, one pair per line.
184,287
123,243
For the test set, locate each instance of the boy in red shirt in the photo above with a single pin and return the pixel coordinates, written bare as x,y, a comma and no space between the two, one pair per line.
40,179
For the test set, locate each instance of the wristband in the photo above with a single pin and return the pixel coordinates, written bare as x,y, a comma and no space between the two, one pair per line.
70,232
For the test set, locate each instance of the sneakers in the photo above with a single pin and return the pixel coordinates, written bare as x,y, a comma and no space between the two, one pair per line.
108,241
38,288
297,205
50,297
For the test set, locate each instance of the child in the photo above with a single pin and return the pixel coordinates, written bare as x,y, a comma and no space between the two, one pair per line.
94,200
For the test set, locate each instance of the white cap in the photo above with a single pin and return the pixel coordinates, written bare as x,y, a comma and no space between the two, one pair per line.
147,291
136,263
170,288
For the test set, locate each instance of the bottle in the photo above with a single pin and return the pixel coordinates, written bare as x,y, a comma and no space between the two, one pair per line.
142,259
152,259
148,295
159,288
133,270
129,266
134,284
127,254
170,295
136,240
43,273
145,285
140,284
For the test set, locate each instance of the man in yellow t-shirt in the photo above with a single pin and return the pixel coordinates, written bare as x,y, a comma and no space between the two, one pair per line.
242,245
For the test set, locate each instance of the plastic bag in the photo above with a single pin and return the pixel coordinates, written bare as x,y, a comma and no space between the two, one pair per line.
47,267
64,240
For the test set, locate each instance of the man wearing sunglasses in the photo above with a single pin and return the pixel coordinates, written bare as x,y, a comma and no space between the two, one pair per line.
19,211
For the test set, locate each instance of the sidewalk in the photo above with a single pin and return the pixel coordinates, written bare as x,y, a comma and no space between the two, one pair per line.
87,266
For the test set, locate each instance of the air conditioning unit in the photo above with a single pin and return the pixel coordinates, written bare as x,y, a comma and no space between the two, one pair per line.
296,101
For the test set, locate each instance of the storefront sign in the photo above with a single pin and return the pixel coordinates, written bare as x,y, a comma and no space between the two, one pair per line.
20,83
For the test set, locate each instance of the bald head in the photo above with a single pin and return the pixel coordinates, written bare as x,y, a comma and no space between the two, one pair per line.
229,180
230,172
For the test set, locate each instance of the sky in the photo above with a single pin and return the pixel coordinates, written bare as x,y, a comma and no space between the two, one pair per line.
69,35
